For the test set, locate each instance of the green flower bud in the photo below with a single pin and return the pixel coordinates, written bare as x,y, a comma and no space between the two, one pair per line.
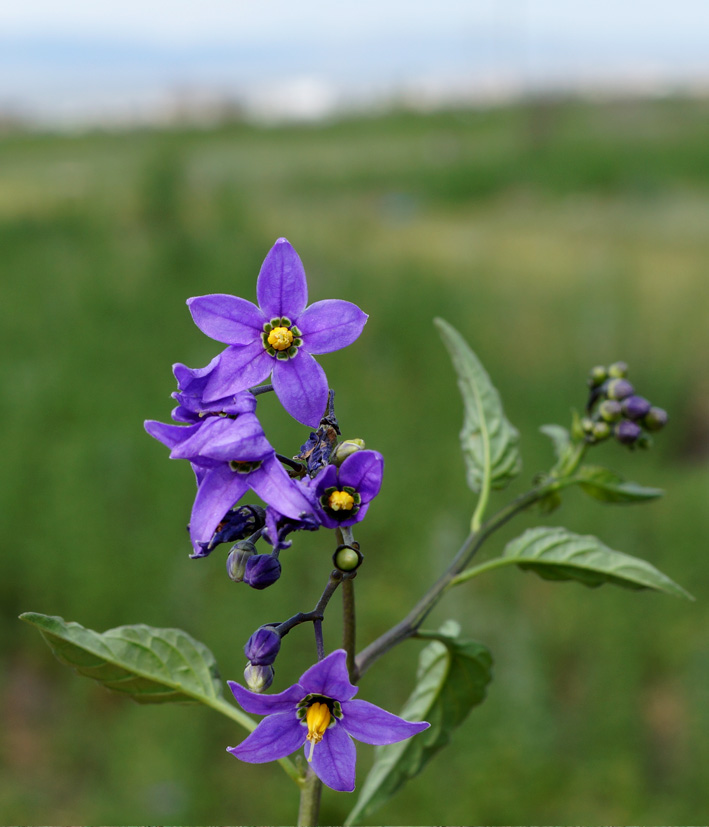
618,370
655,419
347,558
601,430
236,561
345,449
610,410
597,376
258,678
587,425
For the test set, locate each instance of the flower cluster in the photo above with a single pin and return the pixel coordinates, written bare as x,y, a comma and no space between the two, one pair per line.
217,430
614,409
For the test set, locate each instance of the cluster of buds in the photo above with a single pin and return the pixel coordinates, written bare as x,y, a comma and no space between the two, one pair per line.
614,409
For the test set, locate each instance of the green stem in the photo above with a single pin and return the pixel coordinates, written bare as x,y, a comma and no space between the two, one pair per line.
349,625
468,574
310,793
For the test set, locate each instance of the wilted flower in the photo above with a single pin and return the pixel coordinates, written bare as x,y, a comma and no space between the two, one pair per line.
319,712
278,337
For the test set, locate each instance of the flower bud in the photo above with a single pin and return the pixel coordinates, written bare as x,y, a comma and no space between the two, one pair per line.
655,419
635,407
601,430
597,376
258,678
262,570
618,370
610,410
345,449
587,425
619,389
627,432
236,561
262,647
347,558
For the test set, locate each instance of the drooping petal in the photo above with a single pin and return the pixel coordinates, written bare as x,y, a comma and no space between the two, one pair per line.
334,759
363,471
192,381
224,439
227,319
373,725
329,677
219,489
272,483
330,325
281,288
257,704
301,386
275,737
170,435
239,368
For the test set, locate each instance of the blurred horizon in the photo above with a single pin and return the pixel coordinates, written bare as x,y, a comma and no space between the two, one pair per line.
128,64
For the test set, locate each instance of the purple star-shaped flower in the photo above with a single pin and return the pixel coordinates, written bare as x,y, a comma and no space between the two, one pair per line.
278,337
229,457
343,494
319,712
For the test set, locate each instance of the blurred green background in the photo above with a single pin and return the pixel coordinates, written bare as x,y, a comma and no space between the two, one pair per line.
554,235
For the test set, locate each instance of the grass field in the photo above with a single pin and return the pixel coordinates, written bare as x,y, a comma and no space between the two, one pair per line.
555,236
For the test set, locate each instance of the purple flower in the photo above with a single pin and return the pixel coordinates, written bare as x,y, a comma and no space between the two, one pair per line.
229,457
319,712
343,494
278,337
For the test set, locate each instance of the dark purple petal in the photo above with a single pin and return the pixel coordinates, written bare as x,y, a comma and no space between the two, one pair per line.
227,319
219,490
330,325
239,368
330,522
262,571
301,386
267,704
373,725
334,759
170,435
329,677
281,288
363,471
274,738
224,439
272,483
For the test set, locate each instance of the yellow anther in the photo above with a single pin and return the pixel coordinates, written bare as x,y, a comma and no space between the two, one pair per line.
340,501
317,718
280,338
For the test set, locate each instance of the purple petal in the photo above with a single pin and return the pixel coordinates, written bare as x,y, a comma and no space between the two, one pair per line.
334,759
170,435
373,725
272,483
219,490
226,318
325,479
225,439
330,325
281,288
267,704
239,368
329,677
363,471
192,381
274,738
301,386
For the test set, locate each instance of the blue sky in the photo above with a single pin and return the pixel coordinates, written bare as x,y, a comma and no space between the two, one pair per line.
73,58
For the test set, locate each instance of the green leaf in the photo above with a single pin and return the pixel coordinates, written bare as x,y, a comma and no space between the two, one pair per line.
609,487
488,440
146,664
560,437
557,554
452,678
